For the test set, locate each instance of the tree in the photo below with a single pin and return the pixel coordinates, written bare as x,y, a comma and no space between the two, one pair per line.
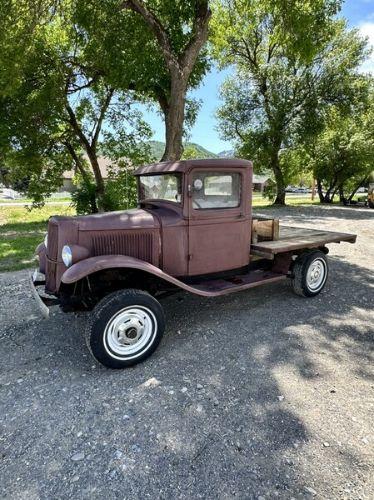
291,59
181,30
342,153
61,108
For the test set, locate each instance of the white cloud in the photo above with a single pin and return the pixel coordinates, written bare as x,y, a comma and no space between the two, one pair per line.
367,30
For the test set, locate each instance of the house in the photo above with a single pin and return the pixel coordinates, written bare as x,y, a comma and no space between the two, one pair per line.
68,175
260,181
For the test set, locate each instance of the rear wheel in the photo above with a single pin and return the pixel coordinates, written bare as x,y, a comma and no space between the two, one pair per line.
310,273
125,328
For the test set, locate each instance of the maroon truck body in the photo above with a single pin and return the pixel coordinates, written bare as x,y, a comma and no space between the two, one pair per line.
174,237
191,230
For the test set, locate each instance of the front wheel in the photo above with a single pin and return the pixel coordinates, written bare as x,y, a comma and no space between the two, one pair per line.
125,328
309,274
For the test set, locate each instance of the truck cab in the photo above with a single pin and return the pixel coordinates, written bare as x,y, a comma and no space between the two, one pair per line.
193,230
204,212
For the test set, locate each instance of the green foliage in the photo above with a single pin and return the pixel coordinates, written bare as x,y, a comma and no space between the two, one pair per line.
296,28
62,110
341,155
270,190
120,190
70,73
190,153
83,198
131,55
287,72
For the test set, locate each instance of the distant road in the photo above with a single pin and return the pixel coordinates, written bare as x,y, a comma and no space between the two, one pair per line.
22,204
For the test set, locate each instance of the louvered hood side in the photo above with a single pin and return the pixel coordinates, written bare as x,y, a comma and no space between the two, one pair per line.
135,233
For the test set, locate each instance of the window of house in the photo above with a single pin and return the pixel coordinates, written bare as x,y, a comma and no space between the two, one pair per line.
215,190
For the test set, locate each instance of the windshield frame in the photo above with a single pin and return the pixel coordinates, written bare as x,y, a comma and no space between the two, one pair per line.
180,180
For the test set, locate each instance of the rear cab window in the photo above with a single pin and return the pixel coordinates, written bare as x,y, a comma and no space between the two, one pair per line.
212,190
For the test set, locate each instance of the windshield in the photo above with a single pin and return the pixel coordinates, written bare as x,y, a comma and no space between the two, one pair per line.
161,187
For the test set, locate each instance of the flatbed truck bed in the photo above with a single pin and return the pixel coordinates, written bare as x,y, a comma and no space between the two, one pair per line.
296,238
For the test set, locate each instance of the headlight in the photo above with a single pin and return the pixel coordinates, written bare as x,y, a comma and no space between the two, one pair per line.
67,256
46,241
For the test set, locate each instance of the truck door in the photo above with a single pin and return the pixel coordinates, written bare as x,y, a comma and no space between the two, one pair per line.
219,229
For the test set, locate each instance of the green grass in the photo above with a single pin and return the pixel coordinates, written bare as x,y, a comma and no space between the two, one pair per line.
259,201
21,230
29,201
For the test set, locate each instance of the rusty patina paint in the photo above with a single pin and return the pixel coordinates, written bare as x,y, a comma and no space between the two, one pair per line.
175,241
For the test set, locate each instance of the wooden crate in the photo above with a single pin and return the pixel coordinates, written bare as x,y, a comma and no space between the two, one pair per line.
264,229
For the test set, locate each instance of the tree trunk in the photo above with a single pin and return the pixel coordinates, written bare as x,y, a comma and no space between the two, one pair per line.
174,119
91,150
320,191
100,185
280,198
362,181
342,198
179,65
84,174
330,193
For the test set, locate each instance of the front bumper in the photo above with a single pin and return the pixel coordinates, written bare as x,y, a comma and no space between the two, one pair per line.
43,301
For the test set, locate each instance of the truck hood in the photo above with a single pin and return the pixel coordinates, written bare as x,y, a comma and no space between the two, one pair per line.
135,218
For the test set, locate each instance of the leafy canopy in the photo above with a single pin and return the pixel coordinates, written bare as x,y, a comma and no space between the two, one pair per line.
286,73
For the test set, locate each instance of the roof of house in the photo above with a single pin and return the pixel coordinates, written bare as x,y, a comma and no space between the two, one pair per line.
260,178
104,165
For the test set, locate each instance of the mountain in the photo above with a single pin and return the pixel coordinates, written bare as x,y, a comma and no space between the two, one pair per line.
157,149
229,153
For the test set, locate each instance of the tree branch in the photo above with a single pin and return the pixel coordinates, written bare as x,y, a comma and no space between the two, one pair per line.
155,25
238,132
77,161
88,148
76,88
199,36
76,127
101,117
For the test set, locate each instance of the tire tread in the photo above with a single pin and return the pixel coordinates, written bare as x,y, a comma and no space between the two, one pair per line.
106,302
299,272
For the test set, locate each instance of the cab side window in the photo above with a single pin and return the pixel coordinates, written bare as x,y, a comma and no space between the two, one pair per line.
215,190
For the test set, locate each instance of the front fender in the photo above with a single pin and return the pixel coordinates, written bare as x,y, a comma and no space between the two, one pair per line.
91,265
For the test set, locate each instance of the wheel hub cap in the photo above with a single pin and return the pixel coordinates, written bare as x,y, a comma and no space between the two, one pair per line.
316,274
129,331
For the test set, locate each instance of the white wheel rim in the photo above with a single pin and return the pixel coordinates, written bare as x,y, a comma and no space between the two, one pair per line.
130,332
316,275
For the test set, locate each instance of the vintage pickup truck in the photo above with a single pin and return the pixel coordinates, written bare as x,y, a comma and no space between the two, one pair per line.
193,230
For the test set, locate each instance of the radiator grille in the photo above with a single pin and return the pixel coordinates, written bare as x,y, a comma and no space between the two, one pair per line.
52,247
50,275
138,245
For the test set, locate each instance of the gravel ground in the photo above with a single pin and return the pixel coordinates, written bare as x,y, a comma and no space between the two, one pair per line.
259,394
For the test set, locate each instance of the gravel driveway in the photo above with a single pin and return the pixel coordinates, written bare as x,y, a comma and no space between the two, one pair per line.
259,394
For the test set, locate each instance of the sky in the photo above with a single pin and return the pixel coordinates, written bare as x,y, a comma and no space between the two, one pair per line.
359,13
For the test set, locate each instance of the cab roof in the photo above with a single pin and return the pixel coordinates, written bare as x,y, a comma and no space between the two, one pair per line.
185,165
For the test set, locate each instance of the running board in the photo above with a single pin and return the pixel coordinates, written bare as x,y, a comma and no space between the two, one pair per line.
223,286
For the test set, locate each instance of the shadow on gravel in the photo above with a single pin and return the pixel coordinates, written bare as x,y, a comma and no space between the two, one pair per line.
203,417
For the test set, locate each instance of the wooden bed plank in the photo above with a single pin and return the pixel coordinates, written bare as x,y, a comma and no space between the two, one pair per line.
294,238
